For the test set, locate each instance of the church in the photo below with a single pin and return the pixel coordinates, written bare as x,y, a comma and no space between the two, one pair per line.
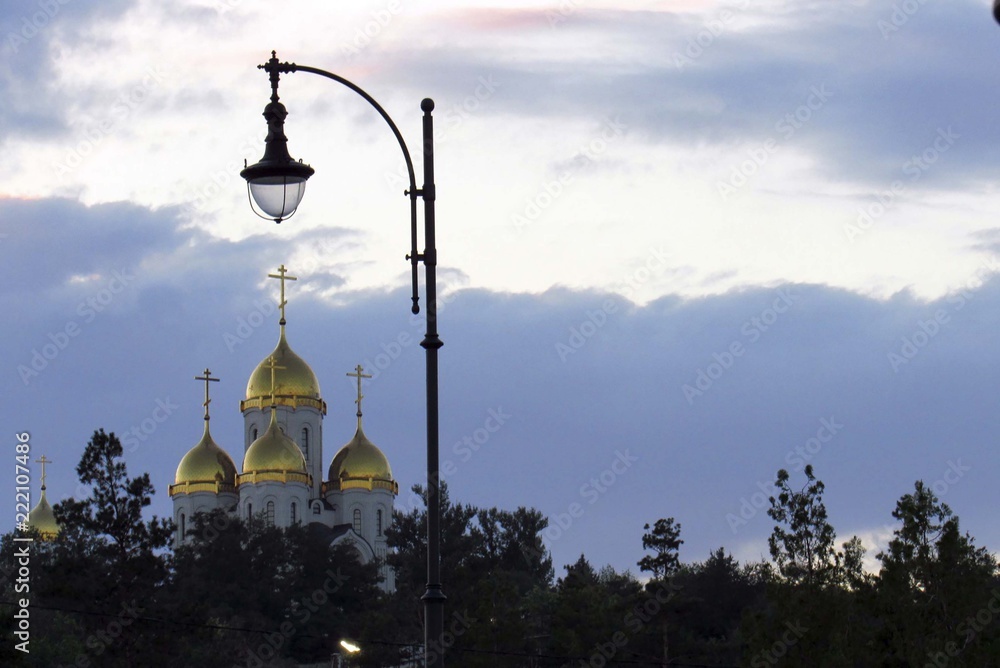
283,479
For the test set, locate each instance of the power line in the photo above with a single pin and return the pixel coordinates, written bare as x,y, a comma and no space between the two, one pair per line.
370,641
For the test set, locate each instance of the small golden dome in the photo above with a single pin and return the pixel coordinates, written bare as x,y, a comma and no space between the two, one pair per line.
274,452
294,381
43,519
360,460
206,463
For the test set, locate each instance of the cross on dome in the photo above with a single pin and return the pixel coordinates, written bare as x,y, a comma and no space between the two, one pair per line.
282,276
43,461
273,366
207,378
359,374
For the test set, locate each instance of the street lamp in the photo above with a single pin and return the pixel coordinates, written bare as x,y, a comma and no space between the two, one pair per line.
996,10
276,184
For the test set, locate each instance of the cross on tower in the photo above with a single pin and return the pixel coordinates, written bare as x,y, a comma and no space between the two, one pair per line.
282,276
358,373
43,461
273,366
207,378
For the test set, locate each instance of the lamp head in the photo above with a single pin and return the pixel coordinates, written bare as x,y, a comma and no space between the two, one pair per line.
277,182
996,10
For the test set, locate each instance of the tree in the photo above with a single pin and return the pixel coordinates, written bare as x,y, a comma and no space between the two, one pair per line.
664,540
715,594
933,581
802,542
495,563
809,609
95,585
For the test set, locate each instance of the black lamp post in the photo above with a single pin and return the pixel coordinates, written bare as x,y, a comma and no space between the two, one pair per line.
276,184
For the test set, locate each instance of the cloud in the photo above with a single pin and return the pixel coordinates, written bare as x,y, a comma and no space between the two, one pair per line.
813,383
32,102
734,77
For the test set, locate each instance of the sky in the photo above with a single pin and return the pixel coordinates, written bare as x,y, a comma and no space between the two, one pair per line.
682,245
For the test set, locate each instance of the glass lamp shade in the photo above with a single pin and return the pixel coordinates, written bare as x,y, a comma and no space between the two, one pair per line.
277,196
277,184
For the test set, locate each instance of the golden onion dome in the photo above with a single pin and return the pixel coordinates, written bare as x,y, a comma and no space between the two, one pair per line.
43,519
206,463
362,461
294,381
274,452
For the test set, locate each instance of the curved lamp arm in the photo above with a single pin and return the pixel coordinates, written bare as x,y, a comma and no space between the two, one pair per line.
273,67
433,597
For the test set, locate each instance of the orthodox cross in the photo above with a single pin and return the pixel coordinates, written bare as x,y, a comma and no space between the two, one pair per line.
273,366
358,373
207,378
282,276
43,461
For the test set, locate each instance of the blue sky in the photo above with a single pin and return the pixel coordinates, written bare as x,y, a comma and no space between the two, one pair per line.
683,244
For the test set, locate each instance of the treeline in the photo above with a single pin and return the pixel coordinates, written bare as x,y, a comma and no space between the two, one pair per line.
109,592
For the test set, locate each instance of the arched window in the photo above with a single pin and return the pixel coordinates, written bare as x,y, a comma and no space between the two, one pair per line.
253,434
182,526
357,520
295,518
378,522
316,508
305,442
249,511
269,516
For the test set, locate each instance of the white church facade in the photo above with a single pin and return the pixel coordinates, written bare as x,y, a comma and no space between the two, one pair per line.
284,478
